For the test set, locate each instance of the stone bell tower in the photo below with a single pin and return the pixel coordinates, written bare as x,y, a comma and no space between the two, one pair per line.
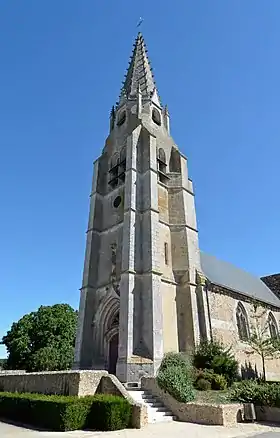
138,298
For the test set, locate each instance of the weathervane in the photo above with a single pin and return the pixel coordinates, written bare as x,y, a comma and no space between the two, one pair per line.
140,22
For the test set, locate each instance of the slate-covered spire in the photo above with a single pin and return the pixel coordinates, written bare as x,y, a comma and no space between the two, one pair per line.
139,74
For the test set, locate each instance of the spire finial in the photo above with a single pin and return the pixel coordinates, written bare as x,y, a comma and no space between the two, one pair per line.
140,22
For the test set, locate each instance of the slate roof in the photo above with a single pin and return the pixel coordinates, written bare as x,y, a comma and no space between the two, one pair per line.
229,276
139,72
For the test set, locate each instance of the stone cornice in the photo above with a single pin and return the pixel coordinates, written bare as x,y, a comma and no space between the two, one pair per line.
177,225
95,230
239,296
178,188
169,281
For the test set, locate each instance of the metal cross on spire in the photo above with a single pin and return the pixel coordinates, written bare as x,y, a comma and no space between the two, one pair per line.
140,22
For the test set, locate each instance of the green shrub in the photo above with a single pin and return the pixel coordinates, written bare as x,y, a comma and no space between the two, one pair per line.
180,360
217,381
261,394
214,356
62,413
109,412
175,380
203,384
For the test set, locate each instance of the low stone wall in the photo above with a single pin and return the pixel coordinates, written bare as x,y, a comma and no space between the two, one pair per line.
202,413
53,382
73,382
267,414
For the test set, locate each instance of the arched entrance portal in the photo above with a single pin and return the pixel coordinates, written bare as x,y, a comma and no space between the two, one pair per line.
113,353
107,331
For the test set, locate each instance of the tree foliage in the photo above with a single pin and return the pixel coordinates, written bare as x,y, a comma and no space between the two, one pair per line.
3,363
42,340
213,355
259,340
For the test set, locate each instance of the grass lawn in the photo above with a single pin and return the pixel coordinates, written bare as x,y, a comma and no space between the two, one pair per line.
213,397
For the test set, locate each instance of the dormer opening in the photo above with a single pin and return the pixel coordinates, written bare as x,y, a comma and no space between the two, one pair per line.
156,117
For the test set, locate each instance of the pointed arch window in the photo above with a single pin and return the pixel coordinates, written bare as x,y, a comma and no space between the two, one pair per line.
117,168
175,161
242,323
272,325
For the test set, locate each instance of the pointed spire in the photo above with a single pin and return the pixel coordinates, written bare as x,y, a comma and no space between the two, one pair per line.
139,73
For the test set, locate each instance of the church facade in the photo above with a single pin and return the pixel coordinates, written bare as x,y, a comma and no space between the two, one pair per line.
147,288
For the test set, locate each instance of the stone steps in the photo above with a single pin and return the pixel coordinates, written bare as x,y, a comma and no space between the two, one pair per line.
157,412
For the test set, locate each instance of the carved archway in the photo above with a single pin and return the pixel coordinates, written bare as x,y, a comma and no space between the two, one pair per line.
106,331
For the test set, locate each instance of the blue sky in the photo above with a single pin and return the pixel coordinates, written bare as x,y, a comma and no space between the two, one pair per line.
217,66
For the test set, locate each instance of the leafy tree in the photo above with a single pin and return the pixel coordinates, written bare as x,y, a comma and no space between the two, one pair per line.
3,364
259,341
42,340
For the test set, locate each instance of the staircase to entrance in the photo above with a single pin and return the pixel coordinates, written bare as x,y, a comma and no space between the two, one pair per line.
157,412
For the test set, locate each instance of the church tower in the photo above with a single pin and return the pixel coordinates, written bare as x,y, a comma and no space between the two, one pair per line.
138,297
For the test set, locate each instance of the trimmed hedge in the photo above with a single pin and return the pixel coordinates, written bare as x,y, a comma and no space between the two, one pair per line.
175,376
63,413
109,412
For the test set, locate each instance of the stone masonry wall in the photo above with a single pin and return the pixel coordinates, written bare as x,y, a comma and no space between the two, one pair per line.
54,382
80,383
203,413
224,327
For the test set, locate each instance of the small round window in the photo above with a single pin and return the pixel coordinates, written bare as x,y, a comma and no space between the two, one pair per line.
156,116
117,201
121,118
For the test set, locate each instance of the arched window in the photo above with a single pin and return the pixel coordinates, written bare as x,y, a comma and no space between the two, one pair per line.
242,323
161,161
272,325
175,161
156,116
113,171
